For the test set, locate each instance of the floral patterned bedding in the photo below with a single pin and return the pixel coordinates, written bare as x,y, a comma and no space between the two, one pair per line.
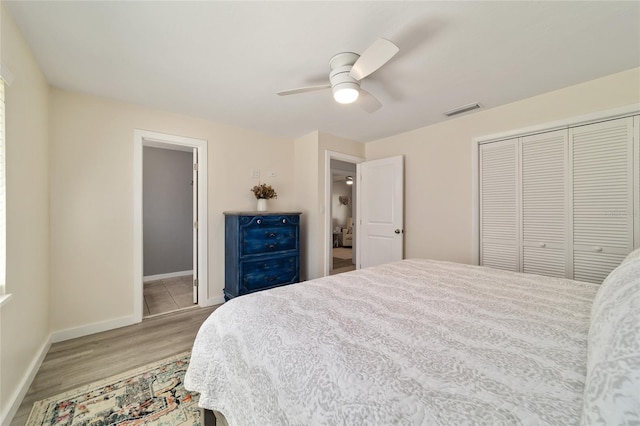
415,342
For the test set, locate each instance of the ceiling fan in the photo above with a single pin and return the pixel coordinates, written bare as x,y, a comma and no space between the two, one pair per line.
347,71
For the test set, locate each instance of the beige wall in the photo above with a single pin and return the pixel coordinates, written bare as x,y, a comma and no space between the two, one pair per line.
305,154
24,320
438,176
92,190
310,195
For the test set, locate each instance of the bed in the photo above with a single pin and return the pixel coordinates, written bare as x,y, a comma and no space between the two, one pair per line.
423,342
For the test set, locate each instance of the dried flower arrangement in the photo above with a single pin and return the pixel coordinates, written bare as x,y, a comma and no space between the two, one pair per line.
264,191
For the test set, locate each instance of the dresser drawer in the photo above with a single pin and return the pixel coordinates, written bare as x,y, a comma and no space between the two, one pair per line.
267,234
259,274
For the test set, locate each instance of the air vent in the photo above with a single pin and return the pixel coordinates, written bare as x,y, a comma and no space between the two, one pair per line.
462,109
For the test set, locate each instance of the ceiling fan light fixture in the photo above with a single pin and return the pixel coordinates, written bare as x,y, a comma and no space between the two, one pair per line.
346,93
348,69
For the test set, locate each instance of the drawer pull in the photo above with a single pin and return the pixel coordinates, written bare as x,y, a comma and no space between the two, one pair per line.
270,279
259,221
271,234
270,246
284,220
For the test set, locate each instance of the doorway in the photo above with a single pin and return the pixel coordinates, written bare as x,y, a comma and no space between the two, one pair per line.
162,266
340,213
167,213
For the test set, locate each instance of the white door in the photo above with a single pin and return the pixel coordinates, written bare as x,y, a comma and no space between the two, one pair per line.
602,197
380,214
544,199
195,225
499,209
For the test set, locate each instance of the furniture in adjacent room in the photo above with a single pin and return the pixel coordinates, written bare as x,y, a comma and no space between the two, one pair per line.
337,239
262,250
347,234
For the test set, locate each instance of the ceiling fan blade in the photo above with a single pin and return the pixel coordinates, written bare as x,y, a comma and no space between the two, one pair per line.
373,58
368,102
304,89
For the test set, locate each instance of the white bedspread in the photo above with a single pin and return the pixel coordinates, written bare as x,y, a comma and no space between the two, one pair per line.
415,342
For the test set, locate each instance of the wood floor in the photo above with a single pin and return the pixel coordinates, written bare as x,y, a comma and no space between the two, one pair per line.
341,270
80,361
342,260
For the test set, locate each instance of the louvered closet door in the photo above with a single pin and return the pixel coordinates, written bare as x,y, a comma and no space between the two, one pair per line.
602,174
499,213
544,159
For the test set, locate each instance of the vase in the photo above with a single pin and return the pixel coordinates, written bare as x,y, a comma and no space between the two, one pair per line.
262,204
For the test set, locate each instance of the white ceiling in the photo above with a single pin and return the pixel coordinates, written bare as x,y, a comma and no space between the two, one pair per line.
225,61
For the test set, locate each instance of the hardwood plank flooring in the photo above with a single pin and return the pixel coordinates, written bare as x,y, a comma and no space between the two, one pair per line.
341,270
80,361
342,261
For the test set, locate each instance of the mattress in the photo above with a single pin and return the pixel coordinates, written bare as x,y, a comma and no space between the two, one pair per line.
415,342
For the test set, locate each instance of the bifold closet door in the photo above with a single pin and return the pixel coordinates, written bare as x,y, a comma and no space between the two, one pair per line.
544,204
499,209
602,181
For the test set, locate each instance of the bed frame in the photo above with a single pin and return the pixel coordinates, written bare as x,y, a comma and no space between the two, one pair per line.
210,418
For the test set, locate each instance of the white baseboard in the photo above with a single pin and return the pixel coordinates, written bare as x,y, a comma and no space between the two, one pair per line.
97,327
217,300
16,399
165,276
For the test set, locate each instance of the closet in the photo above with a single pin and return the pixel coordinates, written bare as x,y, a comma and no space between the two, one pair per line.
562,203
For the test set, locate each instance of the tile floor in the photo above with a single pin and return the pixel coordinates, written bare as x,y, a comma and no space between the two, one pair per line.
168,295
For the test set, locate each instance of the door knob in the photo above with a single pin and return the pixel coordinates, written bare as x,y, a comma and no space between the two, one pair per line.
397,231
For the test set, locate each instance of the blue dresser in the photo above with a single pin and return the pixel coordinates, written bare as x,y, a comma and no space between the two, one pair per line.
262,250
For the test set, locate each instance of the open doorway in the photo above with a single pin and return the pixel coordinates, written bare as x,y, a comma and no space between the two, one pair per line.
340,212
167,265
342,200
167,211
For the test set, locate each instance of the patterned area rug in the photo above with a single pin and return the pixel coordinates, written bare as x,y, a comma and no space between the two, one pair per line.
150,395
